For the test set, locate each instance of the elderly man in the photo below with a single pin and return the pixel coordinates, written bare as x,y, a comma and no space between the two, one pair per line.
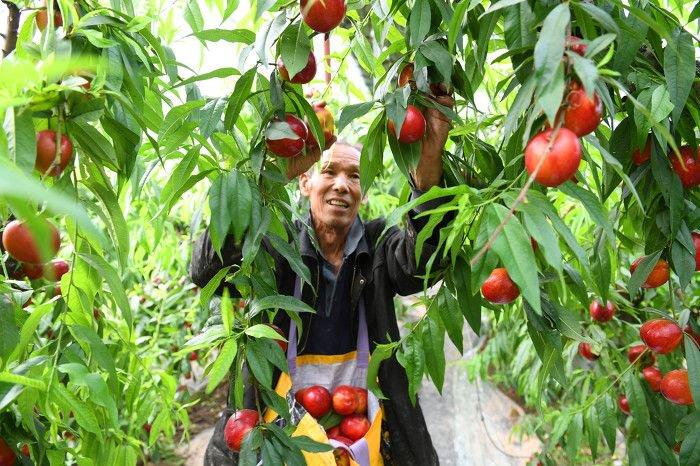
350,266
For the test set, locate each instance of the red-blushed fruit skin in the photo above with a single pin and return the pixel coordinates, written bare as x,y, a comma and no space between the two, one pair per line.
640,157
333,432
696,243
635,352
288,147
302,77
413,128
661,335
584,349
675,387
658,276
7,456
339,438
582,115
323,16
344,400
601,313
560,163
299,395
406,75
690,175
33,271
20,243
325,118
575,44
316,400
237,427
56,269
624,404
361,400
653,377
354,426
42,19
46,152
499,288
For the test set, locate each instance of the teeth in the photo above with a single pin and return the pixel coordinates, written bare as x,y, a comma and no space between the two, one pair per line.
337,203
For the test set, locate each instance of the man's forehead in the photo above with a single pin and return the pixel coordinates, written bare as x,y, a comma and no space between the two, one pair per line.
341,155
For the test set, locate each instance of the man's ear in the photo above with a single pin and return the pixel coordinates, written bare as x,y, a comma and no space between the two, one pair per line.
304,184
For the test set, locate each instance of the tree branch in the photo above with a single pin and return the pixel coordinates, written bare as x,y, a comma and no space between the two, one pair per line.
12,27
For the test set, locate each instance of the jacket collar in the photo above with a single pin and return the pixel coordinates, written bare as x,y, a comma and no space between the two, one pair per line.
355,242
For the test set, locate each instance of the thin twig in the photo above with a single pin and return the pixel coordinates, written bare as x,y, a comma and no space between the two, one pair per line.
521,197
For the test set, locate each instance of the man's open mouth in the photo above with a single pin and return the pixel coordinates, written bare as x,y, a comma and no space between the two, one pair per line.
338,203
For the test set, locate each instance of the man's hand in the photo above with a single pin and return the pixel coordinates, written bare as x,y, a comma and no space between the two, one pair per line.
429,170
301,163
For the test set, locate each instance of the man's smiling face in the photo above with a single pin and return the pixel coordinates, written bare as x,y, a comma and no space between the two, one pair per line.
334,189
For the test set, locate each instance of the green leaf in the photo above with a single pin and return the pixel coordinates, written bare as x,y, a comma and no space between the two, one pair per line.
642,271
93,144
592,205
550,46
690,448
287,303
219,195
692,356
600,15
413,360
9,333
451,317
351,112
438,54
292,254
371,157
543,233
107,272
419,22
608,420
515,251
305,443
210,116
208,291
294,46
173,121
470,302
84,415
222,364
258,363
679,69
240,193
178,178
433,346
193,15
229,35
24,143
381,353
240,94
637,401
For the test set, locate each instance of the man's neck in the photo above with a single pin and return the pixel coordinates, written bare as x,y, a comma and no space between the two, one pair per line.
332,243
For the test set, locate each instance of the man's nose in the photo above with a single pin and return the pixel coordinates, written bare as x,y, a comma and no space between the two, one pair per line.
340,183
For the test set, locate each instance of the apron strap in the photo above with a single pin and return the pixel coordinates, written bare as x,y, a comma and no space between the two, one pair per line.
362,337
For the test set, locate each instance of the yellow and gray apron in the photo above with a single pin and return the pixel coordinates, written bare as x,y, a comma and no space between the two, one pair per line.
331,371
